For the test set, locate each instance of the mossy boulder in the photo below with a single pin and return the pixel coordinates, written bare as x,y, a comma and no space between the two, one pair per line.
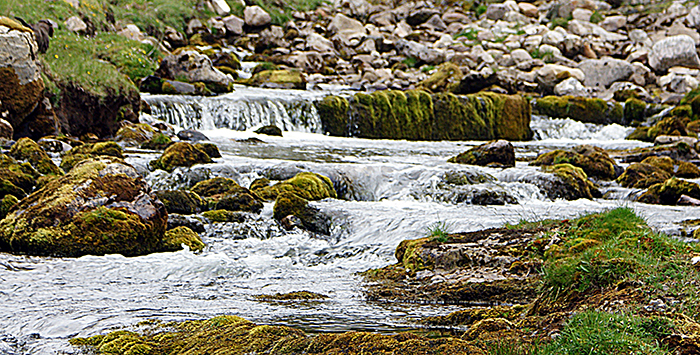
176,237
635,110
210,148
236,199
669,126
390,114
296,295
310,186
159,141
181,154
446,78
290,204
642,175
572,183
680,151
333,111
224,216
214,186
135,133
594,161
270,130
16,179
674,167
497,154
670,191
98,208
278,79
580,109
181,201
28,150
6,205
90,150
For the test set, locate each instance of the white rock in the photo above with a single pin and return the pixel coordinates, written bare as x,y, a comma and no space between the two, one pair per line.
233,24
76,24
676,10
614,23
551,74
220,7
603,72
318,43
673,51
255,16
663,140
349,30
693,18
554,38
520,55
131,32
546,48
572,87
678,83
582,14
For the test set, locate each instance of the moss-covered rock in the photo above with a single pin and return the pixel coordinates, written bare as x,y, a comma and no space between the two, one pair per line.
594,161
669,126
680,151
640,134
670,191
236,199
580,109
446,78
135,133
97,208
16,179
270,130
159,141
181,201
391,114
574,183
297,295
223,216
214,186
310,186
6,205
497,153
333,111
181,154
290,204
176,237
210,148
27,149
643,175
88,151
635,110
674,167
278,79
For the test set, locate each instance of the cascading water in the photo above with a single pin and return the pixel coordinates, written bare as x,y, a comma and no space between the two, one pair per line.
391,191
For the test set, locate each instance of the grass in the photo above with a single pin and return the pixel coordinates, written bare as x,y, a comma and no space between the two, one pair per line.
439,231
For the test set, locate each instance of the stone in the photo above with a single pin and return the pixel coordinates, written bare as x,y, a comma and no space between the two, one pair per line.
681,84
496,11
255,16
498,153
195,26
614,23
420,51
180,154
76,24
603,72
6,130
673,51
174,37
358,8
551,74
279,79
520,55
528,9
270,130
181,201
220,7
436,23
349,30
581,14
311,218
570,87
195,68
316,42
693,18
131,32
421,16
233,25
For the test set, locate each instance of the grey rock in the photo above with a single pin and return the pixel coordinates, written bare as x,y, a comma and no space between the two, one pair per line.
673,51
350,31
193,66
255,16
603,72
233,24
571,87
76,24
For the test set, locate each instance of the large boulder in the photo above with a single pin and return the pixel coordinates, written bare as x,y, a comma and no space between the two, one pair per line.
21,86
579,109
497,153
181,201
570,183
673,51
290,204
181,154
86,151
642,175
307,185
594,161
26,149
214,186
603,72
97,208
195,68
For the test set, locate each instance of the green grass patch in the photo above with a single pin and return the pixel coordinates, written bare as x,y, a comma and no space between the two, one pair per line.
439,231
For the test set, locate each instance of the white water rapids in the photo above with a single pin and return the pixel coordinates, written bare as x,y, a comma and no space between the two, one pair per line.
392,190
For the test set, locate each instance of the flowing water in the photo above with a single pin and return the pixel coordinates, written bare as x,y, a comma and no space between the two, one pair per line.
391,191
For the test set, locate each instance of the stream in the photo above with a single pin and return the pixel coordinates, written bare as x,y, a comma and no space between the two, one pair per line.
390,190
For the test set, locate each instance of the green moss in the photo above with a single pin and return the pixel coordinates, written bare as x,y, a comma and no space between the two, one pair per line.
6,205
682,111
180,154
278,79
576,181
594,161
90,150
668,126
181,202
159,141
445,79
214,186
223,216
236,199
307,185
138,133
642,175
635,110
640,134
176,237
670,191
333,111
579,109
27,149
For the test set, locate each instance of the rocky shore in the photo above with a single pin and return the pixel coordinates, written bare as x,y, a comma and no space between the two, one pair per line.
72,75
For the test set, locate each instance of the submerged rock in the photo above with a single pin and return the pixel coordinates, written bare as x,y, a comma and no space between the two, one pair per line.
270,130
290,204
497,154
94,209
572,183
181,154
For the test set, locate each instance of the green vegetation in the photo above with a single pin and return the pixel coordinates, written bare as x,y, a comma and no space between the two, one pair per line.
439,231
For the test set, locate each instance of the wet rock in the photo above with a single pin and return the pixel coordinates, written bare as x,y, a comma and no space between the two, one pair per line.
181,201
6,130
496,154
224,216
94,209
673,51
210,148
579,109
91,150
688,201
195,68
297,295
669,192
236,199
278,79
16,179
662,140
135,134
594,161
192,135
215,186
642,176
255,16
288,203
604,72
159,141
307,185
27,150
180,154
446,78
178,220
175,238
270,130
678,151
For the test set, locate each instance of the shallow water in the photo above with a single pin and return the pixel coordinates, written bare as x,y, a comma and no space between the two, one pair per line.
393,190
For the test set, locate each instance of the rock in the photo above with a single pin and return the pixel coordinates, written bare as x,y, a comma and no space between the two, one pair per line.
446,78
220,7
255,16
594,161
662,140
570,87
233,25
582,14
551,74
236,199
270,130
77,25
131,32
210,148
27,150
642,175
669,192
6,130
279,79
571,183
681,84
159,141
174,37
614,23
215,186
528,9
496,11
318,43
421,52
181,201
21,86
102,150
421,16
307,185
685,200
350,31
496,154
180,154
16,179
175,238
520,55
678,151
603,72
288,203
193,223
192,135
673,51
135,133
94,209
195,68
224,216
693,18
579,109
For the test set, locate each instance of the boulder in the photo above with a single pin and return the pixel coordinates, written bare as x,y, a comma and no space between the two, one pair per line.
97,208
255,16
669,192
270,130
233,25
77,25
278,79
224,216
220,7
579,109
307,185
236,199
181,201
210,148
26,149
498,153
135,134
603,72
16,179
348,30
642,175
175,238
447,77
159,141
673,51
551,74
195,68
104,150
180,154
6,130
21,86
215,186
290,204
571,87
594,161
421,52
570,183
191,135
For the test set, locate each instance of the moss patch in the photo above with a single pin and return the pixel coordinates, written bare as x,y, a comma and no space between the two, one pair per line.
580,109
180,154
27,149
310,186
176,237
